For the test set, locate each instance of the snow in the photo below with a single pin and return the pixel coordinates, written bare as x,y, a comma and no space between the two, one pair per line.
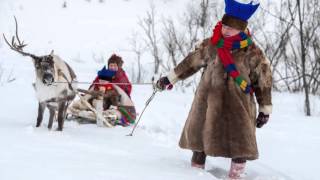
288,144
87,151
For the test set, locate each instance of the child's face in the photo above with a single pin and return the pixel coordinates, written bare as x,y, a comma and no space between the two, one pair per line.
113,66
228,31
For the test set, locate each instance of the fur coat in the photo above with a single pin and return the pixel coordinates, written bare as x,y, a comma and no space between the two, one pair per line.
222,119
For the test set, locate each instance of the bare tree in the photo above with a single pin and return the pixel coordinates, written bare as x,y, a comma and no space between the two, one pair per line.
294,55
196,25
148,24
178,38
64,5
274,41
172,43
204,5
286,31
306,14
138,50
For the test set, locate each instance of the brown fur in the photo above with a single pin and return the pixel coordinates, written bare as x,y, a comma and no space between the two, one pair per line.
222,119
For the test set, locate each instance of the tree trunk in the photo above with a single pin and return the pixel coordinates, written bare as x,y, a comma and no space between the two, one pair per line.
303,61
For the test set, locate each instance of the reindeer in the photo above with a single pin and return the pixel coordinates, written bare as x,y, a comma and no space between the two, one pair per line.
49,69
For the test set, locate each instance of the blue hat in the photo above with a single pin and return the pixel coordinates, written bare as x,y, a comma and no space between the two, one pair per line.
237,14
106,74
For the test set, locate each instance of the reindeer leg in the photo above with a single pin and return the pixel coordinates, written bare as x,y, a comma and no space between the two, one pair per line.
52,112
41,107
61,109
65,115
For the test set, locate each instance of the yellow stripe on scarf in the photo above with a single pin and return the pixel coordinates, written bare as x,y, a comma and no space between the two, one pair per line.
243,44
243,85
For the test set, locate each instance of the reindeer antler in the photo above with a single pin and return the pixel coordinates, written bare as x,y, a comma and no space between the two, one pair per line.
18,47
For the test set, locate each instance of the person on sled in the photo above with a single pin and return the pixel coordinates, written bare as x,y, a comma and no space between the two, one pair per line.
113,88
222,121
115,64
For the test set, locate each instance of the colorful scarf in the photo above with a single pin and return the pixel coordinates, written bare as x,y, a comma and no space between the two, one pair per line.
225,45
128,116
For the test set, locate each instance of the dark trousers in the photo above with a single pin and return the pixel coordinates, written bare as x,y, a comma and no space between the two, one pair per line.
200,158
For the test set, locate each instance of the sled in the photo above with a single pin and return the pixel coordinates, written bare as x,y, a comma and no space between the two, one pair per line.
90,108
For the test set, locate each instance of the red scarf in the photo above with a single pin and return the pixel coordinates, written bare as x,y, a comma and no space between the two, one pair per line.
225,45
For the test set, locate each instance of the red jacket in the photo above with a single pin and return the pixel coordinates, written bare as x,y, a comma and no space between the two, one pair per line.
120,77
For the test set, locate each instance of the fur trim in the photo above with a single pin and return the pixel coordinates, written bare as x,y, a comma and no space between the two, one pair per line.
234,22
172,76
266,109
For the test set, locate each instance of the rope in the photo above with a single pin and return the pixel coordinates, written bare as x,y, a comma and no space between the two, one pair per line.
60,82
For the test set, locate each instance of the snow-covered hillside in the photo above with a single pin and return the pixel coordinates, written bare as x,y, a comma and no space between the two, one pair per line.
289,145
84,32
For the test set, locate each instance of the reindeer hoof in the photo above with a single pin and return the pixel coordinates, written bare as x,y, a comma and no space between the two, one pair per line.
59,129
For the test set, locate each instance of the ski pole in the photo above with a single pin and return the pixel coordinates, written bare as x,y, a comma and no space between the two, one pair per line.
155,90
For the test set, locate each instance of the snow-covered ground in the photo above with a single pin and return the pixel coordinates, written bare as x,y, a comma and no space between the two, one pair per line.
289,145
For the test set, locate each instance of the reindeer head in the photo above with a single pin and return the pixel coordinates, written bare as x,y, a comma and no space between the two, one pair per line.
44,65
